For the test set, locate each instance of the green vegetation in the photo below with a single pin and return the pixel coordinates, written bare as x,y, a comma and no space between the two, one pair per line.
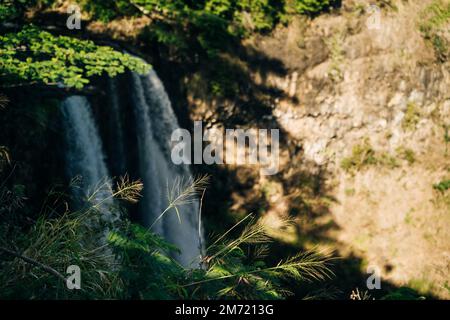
421,285
408,217
364,155
35,56
122,260
350,192
209,26
403,293
312,6
30,55
446,138
412,117
206,28
434,24
135,263
406,154
442,186
334,45
261,14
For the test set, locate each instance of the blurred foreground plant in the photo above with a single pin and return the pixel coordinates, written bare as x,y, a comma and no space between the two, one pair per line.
135,263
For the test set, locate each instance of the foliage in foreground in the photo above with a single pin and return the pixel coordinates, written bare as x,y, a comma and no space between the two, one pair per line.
135,263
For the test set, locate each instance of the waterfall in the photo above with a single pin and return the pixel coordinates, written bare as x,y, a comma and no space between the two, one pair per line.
116,138
155,121
84,154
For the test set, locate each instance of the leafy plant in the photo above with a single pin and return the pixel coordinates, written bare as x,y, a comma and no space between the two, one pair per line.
442,186
312,6
107,10
135,263
32,55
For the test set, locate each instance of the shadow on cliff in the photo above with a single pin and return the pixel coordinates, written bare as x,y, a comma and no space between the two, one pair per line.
247,103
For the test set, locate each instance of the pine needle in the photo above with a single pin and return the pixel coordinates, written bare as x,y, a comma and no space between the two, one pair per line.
183,191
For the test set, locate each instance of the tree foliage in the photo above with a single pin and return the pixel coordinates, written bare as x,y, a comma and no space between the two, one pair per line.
312,6
32,55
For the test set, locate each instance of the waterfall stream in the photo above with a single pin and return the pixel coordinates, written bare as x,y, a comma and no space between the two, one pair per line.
84,154
154,121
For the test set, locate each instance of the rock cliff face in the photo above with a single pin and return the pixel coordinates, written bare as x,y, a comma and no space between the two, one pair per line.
362,99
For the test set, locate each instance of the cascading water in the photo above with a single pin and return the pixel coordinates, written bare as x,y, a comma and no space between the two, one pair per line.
116,138
84,155
155,122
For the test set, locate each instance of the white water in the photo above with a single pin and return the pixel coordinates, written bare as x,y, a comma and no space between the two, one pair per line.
155,121
84,154
116,138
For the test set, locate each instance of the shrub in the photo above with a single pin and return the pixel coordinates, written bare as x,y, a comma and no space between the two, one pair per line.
434,24
412,117
406,154
45,58
362,155
312,7
107,10
442,186
135,263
